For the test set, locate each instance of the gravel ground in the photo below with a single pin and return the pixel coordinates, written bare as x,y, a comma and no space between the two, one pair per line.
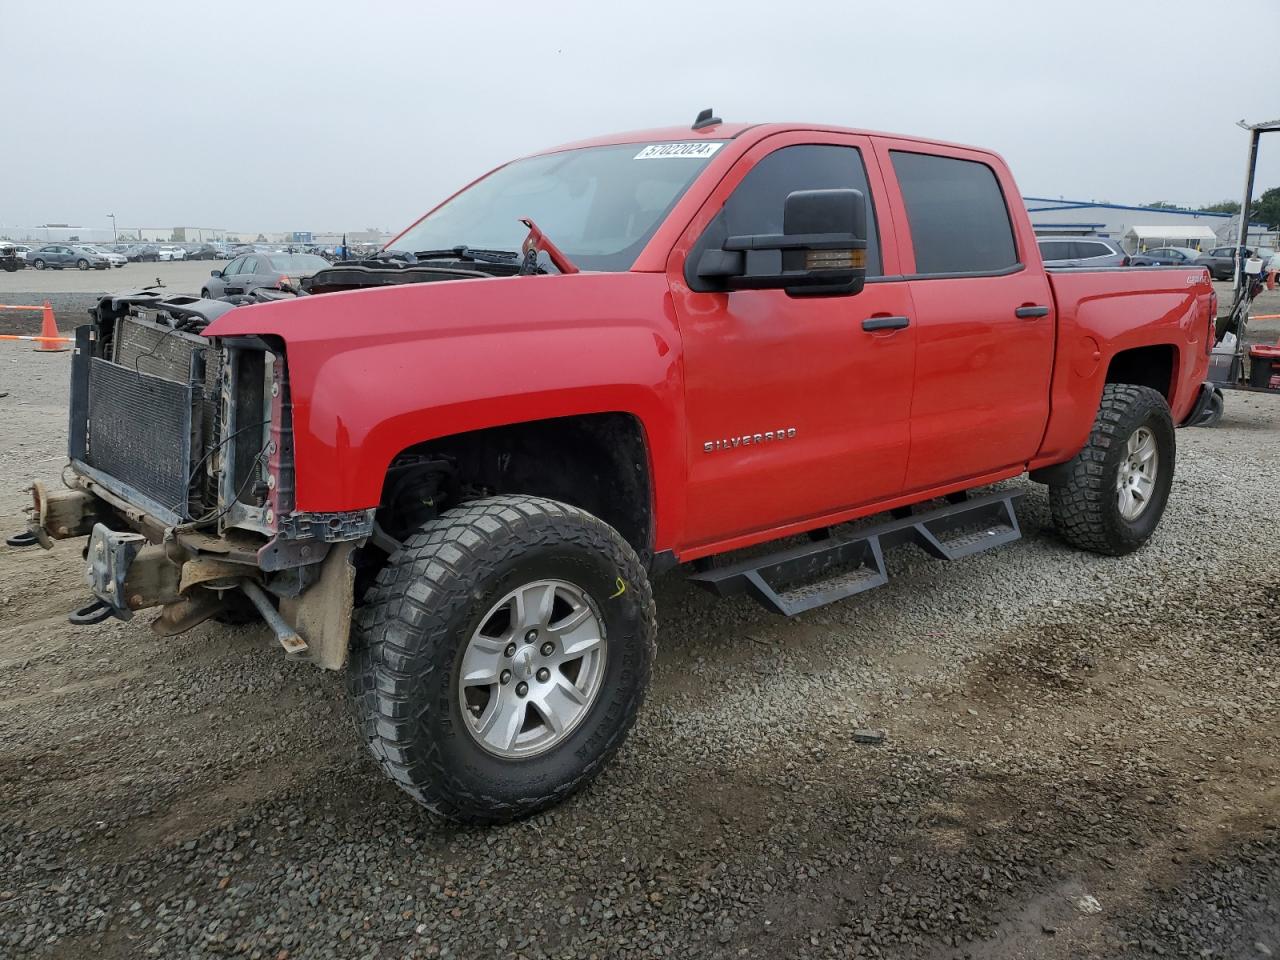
1081,761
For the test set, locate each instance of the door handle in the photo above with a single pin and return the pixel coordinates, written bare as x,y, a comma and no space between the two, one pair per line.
1030,313
872,324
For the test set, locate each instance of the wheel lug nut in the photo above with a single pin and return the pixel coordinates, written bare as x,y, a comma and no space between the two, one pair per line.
531,636
548,649
511,650
522,688
505,677
544,675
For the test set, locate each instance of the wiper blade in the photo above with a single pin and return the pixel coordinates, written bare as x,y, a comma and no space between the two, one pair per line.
462,252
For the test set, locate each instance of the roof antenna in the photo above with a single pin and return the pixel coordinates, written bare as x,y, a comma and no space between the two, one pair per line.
705,119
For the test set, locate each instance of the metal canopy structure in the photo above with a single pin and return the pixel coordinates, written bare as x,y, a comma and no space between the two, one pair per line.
1165,234
1256,130
1247,284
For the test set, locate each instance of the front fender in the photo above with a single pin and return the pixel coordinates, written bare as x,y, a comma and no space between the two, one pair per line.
373,372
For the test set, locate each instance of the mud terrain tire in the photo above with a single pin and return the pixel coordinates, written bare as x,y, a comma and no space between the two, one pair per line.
1085,501
436,595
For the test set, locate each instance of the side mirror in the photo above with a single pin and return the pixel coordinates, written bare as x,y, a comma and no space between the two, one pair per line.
215,273
823,248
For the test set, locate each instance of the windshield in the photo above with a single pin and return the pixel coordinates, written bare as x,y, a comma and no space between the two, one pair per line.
600,205
297,263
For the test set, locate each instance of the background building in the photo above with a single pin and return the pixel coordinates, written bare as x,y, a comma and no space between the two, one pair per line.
1140,228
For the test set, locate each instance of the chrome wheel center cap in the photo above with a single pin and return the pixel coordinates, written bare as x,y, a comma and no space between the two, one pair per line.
522,663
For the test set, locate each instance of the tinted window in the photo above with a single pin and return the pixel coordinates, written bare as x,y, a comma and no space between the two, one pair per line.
297,263
1055,250
233,267
756,205
250,265
959,222
1084,250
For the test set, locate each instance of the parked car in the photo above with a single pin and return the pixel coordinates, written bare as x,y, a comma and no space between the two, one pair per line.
59,255
687,360
113,258
10,262
206,252
1220,261
1165,257
143,253
21,250
171,253
1082,252
256,270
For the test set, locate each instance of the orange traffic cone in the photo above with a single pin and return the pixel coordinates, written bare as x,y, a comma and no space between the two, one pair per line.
49,328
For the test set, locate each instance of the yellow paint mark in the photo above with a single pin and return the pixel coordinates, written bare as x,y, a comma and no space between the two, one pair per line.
622,588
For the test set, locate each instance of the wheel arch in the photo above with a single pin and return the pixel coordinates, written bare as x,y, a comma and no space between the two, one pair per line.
599,462
1153,365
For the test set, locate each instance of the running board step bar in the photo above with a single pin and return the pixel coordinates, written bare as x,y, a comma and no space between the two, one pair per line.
815,574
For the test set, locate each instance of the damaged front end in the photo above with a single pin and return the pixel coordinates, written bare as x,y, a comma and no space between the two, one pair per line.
181,475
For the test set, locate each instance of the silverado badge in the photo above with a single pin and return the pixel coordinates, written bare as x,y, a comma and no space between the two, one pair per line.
732,443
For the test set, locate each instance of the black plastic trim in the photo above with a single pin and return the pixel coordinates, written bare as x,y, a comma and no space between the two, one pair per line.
885,323
1207,389
1005,272
662,561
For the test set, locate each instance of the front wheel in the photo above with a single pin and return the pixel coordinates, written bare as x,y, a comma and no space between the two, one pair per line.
82,264
1112,494
502,656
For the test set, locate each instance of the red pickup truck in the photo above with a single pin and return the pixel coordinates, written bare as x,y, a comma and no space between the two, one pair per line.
696,340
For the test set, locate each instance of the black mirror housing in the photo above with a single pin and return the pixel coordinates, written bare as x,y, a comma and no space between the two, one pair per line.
823,245
215,273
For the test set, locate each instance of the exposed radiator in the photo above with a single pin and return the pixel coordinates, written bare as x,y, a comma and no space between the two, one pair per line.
140,431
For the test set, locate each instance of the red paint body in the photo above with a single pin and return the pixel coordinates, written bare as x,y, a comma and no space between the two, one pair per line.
967,394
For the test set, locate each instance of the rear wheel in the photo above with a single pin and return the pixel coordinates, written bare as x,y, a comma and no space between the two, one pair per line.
501,656
1112,494
38,264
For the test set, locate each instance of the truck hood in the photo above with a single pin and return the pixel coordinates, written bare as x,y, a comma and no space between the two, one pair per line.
454,308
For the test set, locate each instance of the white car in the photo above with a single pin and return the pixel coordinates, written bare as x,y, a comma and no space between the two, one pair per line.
115,259
172,253
21,249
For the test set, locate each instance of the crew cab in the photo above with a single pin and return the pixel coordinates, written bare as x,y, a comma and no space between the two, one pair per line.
452,468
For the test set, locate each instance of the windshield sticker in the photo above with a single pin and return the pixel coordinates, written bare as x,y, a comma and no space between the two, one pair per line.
678,151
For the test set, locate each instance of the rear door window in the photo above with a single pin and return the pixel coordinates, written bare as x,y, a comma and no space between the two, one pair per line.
957,214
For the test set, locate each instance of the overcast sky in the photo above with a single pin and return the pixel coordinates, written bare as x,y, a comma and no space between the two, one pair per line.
329,115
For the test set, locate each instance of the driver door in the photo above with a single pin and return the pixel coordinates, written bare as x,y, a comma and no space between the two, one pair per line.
797,407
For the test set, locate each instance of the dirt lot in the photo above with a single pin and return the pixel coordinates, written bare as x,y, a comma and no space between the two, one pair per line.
1082,761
